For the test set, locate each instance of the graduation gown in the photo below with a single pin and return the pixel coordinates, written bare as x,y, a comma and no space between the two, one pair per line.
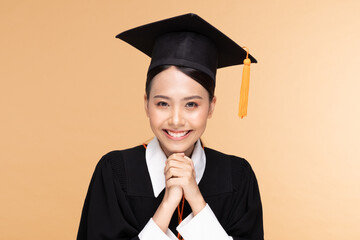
120,200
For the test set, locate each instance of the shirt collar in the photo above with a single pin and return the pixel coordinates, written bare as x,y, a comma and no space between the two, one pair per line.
155,161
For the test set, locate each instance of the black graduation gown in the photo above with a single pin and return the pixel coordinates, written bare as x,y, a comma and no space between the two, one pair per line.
120,200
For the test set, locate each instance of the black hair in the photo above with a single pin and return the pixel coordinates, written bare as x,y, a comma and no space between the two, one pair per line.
202,78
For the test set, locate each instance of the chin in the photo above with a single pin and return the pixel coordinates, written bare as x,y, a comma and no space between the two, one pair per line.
175,148
170,148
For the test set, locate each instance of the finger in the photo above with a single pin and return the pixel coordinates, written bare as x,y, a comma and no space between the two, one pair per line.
177,173
172,173
189,160
176,182
176,155
177,164
169,174
177,169
179,159
185,177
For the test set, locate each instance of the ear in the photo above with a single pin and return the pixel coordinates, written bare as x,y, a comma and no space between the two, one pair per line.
212,107
146,105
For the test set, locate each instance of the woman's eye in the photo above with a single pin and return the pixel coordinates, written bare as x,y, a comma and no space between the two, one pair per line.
191,105
162,104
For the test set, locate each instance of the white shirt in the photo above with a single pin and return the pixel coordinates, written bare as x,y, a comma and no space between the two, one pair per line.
205,224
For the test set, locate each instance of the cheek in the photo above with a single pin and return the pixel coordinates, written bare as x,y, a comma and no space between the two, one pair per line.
199,118
156,117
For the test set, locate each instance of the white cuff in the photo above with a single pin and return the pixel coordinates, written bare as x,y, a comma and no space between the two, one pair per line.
151,231
203,226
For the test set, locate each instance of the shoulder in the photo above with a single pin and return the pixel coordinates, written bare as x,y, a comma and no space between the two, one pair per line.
122,165
238,168
235,161
123,155
117,160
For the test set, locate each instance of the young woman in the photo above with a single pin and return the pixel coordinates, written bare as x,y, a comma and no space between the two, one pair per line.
146,191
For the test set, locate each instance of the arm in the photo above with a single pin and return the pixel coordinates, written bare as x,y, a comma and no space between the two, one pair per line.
102,217
107,214
245,221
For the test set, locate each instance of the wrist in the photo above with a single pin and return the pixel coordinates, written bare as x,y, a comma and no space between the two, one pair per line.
197,204
163,215
169,204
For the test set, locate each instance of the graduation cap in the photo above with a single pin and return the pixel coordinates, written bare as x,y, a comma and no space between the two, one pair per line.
190,41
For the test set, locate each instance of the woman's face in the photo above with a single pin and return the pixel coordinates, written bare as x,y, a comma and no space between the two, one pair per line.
178,108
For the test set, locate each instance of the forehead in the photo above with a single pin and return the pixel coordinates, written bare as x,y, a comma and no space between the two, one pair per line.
172,82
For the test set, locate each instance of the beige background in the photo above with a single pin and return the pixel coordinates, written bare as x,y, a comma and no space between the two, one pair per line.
70,92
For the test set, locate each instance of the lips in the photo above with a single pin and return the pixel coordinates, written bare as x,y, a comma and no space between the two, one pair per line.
177,135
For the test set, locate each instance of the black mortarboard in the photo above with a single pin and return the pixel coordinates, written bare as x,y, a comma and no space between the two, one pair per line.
186,40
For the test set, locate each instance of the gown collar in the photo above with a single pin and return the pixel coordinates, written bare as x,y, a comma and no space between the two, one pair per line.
155,161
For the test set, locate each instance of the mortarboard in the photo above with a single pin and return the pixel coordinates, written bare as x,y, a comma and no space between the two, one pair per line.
190,41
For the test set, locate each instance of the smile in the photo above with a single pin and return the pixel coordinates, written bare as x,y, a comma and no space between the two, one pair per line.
176,135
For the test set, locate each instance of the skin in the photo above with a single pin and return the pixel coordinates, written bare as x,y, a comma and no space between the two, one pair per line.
178,109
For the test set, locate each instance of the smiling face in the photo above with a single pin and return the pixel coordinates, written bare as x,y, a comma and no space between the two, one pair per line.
178,108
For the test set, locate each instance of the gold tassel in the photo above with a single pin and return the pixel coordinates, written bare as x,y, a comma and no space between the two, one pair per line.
244,91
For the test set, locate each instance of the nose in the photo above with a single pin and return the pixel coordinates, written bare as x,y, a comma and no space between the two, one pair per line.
176,118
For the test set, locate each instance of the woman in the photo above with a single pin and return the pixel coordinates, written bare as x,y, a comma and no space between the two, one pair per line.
144,192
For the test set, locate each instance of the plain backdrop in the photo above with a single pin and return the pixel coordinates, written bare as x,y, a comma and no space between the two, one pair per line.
70,92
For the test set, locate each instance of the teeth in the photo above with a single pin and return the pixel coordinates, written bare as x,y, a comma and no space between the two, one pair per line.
178,134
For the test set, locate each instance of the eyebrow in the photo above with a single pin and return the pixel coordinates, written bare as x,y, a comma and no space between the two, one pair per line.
162,96
186,98
193,97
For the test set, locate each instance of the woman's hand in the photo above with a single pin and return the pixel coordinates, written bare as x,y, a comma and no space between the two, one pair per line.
180,173
180,180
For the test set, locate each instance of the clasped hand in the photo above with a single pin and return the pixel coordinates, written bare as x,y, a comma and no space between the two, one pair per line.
180,179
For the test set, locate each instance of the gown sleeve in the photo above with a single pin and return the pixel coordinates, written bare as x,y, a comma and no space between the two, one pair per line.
246,219
106,213
204,225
